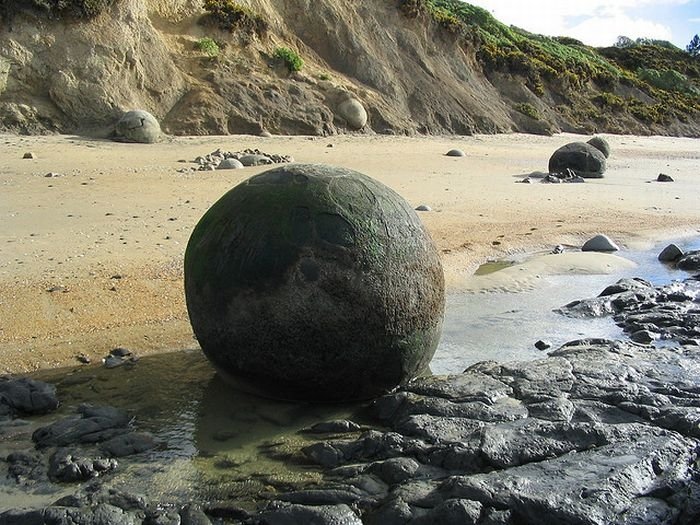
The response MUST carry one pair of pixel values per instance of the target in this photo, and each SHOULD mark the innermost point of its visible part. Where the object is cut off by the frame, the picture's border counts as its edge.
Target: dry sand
(92, 259)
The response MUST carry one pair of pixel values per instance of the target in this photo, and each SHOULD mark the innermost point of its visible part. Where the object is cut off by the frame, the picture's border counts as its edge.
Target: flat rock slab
(598, 432)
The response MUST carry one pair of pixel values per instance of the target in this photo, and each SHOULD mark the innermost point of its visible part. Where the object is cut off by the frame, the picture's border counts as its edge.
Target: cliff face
(409, 74)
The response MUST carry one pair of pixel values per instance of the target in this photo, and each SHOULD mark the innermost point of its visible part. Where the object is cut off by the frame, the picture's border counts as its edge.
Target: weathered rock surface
(583, 159)
(690, 261)
(671, 253)
(314, 282)
(601, 145)
(668, 312)
(129, 444)
(64, 466)
(353, 112)
(598, 432)
(93, 425)
(26, 397)
(137, 126)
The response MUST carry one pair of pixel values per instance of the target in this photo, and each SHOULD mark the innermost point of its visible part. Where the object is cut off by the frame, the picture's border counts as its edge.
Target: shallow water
(504, 326)
(223, 445)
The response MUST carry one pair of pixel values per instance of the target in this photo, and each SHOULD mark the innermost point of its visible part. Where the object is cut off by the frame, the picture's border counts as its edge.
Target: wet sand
(92, 259)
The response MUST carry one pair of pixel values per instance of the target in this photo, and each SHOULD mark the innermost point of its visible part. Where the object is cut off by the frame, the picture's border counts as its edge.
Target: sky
(600, 22)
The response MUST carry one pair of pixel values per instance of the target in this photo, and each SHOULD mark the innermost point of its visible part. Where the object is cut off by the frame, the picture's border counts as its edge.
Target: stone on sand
(295, 291)
(600, 243)
(601, 145)
(583, 159)
(137, 126)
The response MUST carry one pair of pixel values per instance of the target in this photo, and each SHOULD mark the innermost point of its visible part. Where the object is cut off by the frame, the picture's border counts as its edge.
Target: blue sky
(600, 22)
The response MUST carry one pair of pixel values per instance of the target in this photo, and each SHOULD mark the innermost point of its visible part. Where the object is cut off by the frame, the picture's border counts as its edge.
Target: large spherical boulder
(353, 112)
(314, 282)
(137, 126)
(583, 159)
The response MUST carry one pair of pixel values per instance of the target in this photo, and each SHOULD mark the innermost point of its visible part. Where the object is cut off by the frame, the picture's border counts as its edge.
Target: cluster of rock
(645, 312)
(591, 434)
(575, 162)
(553, 178)
(226, 160)
(598, 432)
(689, 262)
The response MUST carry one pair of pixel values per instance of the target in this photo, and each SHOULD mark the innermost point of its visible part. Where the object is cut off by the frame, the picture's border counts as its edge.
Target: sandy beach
(92, 259)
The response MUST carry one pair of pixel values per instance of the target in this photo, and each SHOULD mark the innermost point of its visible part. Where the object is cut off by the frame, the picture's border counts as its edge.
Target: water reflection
(218, 443)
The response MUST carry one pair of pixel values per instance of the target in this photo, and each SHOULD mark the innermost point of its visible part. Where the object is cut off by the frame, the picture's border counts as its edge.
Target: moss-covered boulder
(314, 282)
(582, 158)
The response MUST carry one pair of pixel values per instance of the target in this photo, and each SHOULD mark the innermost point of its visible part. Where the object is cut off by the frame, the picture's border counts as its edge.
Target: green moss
(290, 58)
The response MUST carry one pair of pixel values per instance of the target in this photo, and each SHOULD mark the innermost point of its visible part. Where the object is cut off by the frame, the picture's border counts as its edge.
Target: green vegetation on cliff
(567, 67)
(231, 16)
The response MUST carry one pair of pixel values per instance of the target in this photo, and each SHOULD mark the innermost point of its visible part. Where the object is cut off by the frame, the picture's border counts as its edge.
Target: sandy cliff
(410, 74)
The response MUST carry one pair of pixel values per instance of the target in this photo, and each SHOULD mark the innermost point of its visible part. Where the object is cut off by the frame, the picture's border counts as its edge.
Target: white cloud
(595, 22)
(598, 31)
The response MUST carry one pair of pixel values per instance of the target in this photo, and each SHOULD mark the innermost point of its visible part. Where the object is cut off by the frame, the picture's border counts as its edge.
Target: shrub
(231, 16)
(668, 79)
(528, 110)
(324, 76)
(610, 101)
(290, 58)
(208, 46)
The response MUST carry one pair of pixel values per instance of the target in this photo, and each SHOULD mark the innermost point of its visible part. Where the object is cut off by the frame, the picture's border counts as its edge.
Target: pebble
(664, 178)
(423, 207)
(455, 153)
(543, 345)
(29, 155)
(53, 175)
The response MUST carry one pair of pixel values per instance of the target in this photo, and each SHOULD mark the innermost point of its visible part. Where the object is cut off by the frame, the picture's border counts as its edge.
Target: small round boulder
(455, 153)
(601, 145)
(137, 126)
(313, 282)
(583, 159)
(230, 164)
